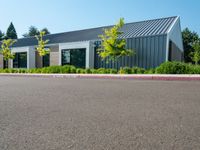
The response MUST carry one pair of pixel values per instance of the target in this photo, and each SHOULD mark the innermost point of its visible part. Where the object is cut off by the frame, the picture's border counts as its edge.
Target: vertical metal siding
(150, 53)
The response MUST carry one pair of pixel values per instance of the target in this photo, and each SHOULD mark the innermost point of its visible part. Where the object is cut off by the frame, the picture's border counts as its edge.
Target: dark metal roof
(135, 29)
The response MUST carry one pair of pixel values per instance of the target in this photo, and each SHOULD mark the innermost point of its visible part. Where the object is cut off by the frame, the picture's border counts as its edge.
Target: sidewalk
(111, 76)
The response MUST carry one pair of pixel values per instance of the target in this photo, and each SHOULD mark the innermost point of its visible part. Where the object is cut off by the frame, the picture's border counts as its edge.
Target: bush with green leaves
(173, 68)
(134, 70)
(80, 71)
(165, 68)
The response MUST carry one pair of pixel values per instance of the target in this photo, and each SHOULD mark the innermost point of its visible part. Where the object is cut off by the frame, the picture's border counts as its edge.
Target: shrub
(165, 68)
(80, 70)
(113, 71)
(173, 68)
(193, 69)
(88, 71)
(93, 71)
(137, 70)
(125, 70)
(149, 71)
(102, 71)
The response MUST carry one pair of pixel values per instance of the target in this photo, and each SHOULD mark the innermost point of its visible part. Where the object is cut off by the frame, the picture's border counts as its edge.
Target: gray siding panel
(150, 53)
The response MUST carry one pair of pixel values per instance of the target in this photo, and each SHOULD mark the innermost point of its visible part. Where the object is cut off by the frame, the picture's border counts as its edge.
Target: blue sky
(67, 15)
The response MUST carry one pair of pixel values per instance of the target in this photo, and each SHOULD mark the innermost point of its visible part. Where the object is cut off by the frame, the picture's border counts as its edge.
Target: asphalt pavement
(98, 114)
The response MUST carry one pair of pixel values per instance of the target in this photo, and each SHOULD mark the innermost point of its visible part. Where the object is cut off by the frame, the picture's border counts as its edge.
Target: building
(154, 41)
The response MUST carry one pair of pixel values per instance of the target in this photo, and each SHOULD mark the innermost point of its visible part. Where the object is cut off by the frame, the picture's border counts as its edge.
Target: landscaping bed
(165, 68)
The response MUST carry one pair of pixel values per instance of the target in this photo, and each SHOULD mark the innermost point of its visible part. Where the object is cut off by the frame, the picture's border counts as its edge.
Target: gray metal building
(154, 41)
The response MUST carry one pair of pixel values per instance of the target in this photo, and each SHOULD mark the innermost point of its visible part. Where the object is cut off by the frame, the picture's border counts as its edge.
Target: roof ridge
(100, 27)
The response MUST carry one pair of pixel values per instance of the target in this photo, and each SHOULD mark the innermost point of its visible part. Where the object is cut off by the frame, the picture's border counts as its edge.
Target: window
(75, 57)
(5, 64)
(20, 60)
(170, 51)
(46, 60)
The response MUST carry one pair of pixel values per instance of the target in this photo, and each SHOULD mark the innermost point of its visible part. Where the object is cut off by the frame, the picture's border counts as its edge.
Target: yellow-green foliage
(41, 48)
(6, 50)
(112, 47)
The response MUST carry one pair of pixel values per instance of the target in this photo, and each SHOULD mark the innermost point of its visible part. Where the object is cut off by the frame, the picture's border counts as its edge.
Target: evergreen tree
(11, 32)
(33, 31)
(46, 31)
(195, 56)
(2, 36)
(189, 38)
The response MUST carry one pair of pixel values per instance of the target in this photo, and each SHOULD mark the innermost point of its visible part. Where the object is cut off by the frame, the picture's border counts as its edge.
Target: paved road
(83, 114)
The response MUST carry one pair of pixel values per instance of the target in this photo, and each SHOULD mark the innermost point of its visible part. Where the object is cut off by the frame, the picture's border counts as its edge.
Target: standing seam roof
(130, 30)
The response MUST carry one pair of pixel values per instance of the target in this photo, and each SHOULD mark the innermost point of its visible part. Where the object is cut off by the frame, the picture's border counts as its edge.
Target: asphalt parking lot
(89, 114)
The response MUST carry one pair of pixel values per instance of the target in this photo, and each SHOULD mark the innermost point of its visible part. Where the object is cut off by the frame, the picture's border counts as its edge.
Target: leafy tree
(33, 31)
(6, 50)
(11, 32)
(112, 47)
(46, 31)
(2, 36)
(195, 56)
(189, 38)
(41, 48)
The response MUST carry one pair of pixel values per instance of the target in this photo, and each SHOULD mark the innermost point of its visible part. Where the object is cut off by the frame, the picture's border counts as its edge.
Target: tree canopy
(6, 50)
(112, 47)
(189, 37)
(41, 47)
(195, 56)
(33, 31)
(11, 32)
(46, 31)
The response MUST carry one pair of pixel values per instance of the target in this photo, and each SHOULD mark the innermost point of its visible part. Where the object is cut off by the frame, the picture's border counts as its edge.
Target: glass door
(20, 60)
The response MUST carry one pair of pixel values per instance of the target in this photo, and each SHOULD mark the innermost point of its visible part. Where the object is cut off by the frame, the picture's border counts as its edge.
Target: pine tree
(1, 35)
(11, 32)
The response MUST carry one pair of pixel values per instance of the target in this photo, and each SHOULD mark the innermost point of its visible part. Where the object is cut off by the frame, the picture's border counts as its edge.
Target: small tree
(41, 48)
(6, 50)
(112, 47)
(195, 56)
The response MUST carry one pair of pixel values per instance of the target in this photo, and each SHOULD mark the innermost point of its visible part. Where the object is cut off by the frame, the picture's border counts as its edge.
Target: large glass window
(20, 60)
(75, 57)
(46, 60)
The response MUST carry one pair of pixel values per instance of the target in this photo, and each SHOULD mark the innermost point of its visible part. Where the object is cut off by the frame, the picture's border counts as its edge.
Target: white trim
(75, 45)
(172, 25)
(30, 55)
(173, 36)
(167, 48)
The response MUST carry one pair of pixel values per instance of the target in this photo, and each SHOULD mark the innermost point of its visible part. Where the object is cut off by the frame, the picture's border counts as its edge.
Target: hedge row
(165, 68)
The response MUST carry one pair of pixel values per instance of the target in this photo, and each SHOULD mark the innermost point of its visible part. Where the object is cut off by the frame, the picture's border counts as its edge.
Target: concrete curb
(169, 77)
